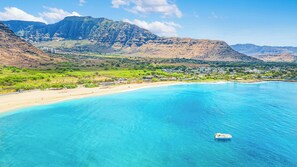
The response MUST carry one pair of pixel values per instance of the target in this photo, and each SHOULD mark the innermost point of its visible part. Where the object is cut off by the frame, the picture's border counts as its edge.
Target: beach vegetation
(93, 71)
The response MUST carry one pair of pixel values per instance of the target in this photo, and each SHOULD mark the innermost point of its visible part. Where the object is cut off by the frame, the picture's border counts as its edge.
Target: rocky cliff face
(16, 52)
(107, 36)
(105, 32)
(209, 50)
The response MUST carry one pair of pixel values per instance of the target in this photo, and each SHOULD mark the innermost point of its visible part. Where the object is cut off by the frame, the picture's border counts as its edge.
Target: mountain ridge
(103, 35)
(252, 49)
(268, 53)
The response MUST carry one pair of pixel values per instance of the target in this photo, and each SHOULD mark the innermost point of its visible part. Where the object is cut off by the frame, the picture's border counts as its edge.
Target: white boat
(223, 136)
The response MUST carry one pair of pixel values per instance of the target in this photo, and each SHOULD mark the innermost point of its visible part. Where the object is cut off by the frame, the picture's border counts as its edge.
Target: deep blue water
(164, 126)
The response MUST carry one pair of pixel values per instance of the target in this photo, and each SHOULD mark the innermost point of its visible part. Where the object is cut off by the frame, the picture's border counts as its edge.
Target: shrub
(24, 87)
(84, 81)
(44, 86)
(91, 85)
(64, 86)
(155, 80)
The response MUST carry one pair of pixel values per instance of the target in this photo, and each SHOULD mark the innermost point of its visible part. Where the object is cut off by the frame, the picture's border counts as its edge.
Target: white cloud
(54, 14)
(51, 15)
(119, 3)
(82, 2)
(13, 13)
(165, 7)
(159, 28)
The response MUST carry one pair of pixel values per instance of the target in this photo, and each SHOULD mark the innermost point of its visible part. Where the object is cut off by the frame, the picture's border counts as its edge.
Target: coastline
(14, 101)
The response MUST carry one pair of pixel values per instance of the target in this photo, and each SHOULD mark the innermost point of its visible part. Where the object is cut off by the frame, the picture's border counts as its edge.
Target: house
(122, 81)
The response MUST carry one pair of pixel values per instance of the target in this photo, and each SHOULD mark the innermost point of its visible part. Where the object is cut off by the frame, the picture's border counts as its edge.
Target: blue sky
(262, 22)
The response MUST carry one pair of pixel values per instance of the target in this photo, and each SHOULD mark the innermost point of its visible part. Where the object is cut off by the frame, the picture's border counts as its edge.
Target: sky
(261, 22)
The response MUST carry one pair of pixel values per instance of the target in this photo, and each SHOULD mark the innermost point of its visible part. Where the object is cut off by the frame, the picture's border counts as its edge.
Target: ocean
(164, 126)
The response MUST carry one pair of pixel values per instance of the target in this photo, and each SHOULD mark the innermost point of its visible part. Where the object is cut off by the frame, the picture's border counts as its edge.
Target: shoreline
(14, 101)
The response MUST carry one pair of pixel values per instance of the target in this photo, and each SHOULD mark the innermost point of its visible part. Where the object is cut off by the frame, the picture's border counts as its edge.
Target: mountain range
(14, 51)
(268, 53)
(101, 35)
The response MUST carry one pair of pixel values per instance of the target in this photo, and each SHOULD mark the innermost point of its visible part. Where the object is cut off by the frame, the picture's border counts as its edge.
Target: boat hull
(222, 136)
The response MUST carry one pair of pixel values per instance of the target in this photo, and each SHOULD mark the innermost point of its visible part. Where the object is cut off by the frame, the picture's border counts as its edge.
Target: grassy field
(96, 70)
(14, 79)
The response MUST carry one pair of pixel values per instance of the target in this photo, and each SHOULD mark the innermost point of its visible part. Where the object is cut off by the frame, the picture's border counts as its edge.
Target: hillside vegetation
(99, 70)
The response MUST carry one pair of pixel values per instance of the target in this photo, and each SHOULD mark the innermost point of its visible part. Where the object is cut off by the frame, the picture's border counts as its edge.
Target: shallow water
(164, 126)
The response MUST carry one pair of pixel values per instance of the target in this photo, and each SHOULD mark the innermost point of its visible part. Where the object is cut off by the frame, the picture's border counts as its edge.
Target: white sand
(14, 101)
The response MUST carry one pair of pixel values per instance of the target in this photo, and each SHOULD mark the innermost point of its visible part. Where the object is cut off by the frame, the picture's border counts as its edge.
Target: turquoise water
(164, 126)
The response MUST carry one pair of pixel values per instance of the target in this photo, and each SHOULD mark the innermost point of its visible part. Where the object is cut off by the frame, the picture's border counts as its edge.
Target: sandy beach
(14, 101)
